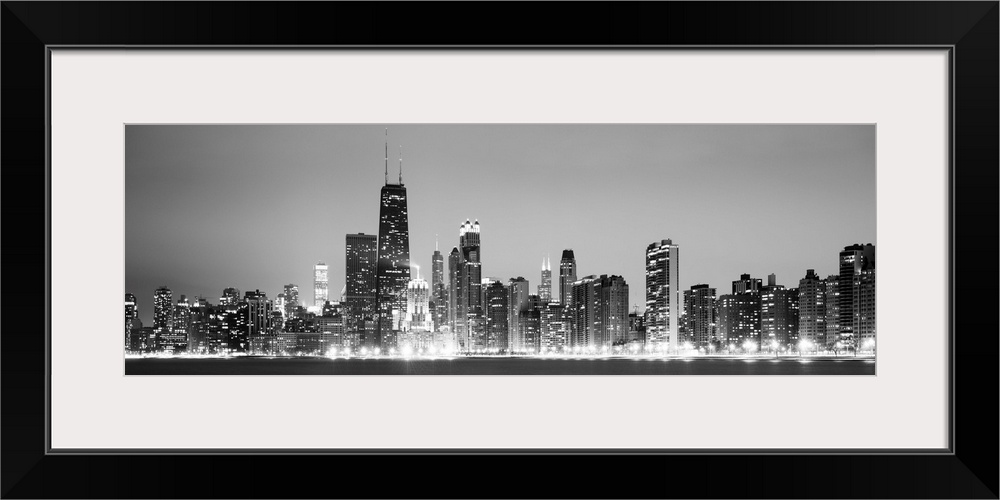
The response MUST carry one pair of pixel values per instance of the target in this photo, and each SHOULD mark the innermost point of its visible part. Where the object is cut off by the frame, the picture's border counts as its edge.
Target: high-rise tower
(567, 275)
(439, 291)
(663, 301)
(812, 309)
(321, 284)
(454, 265)
(393, 273)
(163, 315)
(545, 287)
(699, 302)
(131, 312)
(469, 318)
(360, 300)
(857, 295)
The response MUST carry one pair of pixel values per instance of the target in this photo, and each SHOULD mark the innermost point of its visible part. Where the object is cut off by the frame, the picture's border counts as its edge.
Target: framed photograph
(656, 247)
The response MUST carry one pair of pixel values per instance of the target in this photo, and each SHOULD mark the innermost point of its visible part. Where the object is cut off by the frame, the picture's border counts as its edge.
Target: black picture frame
(969, 29)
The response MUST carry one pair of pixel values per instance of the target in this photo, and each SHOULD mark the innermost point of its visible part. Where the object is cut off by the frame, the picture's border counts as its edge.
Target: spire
(401, 165)
(387, 156)
(435, 242)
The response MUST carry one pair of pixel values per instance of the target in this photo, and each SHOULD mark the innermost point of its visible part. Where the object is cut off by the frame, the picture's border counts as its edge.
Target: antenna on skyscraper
(435, 242)
(400, 165)
(387, 156)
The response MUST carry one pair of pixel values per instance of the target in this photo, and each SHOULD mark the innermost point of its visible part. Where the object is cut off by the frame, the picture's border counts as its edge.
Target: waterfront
(759, 365)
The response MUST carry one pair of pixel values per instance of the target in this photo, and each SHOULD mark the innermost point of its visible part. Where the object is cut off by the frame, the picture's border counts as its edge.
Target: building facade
(131, 313)
(469, 321)
(812, 309)
(778, 315)
(361, 297)
(321, 284)
(701, 316)
(857, 295)
(439, 291)
(545, 286)
(600, 306)
(517, 299)
(163, 318)
(663, 297)
(393, 271)
(497, 316)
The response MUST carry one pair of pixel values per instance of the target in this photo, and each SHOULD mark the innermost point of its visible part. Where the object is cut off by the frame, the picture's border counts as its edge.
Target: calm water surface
(500, 366)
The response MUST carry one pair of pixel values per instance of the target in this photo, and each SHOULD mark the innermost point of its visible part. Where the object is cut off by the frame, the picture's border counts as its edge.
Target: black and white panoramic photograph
(500, 249)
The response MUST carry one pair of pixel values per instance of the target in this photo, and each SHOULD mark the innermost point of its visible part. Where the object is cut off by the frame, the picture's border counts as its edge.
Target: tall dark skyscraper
(497, 316)
(360, 274)
(469, 319)
(163, 315)
(857, 295)
(663, 296)
(567, 276)
(545, 288)
(180, 329)
(259, 325)
(439, 290)
(393, 273)
(454, 265)
(699, 302)
(517, 290)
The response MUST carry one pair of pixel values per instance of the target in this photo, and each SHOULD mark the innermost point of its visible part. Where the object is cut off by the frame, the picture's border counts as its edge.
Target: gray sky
(255, 206)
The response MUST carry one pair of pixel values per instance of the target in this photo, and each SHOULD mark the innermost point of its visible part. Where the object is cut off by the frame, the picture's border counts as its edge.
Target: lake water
(501, 366)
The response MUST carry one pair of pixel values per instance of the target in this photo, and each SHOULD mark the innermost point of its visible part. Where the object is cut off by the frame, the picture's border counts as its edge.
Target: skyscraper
(663, 306)
(393, 273)
(439, 290)
(180, 329)
(131, 312)
(567, 276)
(291, 299)
(812, 309)
(739, 318)
(469, 320)
(545, 287)
(832, 299)
(163, 316)
(739, 313)
(778, 315)
(600, 308)
(259, 325)
(321, 284)
(454, 266)
(530, 326)
(497, 316)
(553, 325)
(701, 315)
(517, 299)
(857, 295)
(361, 304)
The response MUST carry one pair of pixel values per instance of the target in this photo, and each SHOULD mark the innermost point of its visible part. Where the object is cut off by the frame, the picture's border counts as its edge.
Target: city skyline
(733, 238)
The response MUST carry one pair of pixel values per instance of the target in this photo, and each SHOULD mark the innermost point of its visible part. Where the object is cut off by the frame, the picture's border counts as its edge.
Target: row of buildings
(458, 311)
(383, 308)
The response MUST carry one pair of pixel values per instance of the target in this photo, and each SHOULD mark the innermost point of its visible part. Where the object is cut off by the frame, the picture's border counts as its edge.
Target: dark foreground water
(500, 366)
